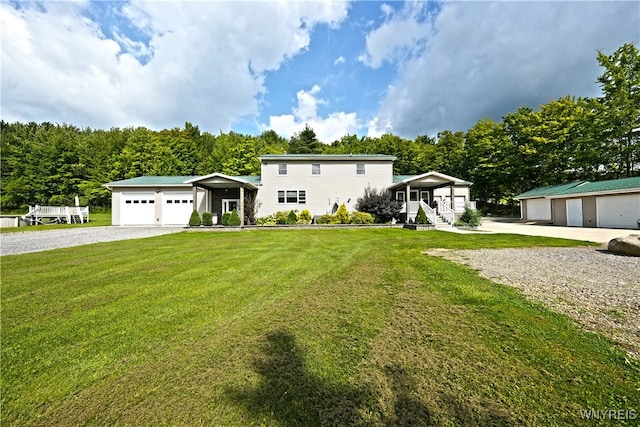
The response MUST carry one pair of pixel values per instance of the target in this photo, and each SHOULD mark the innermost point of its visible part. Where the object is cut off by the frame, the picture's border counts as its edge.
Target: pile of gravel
(600, 290)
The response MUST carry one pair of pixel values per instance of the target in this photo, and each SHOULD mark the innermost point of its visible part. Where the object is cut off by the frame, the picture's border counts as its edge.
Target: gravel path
(42, 240)
(600, 290)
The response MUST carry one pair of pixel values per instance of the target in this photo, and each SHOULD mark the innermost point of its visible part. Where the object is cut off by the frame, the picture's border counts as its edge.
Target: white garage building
(606, 204)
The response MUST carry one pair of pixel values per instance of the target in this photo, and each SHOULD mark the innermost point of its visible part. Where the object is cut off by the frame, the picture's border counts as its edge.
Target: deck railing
(37, 213)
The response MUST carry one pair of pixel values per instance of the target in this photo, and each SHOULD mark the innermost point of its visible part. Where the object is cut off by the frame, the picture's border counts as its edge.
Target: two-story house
(318, 183)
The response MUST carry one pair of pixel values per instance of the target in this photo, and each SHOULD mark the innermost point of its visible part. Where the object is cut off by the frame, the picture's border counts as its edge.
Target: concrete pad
(515, 226)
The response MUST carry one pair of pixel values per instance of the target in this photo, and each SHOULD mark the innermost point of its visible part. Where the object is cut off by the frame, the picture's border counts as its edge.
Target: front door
(229, 205)
(424, 196)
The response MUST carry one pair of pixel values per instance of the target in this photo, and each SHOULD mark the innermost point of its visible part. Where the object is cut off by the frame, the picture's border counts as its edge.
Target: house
(607, 204)
(318, 183)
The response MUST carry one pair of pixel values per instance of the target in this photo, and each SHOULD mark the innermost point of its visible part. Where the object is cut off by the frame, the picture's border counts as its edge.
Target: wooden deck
(57, 214)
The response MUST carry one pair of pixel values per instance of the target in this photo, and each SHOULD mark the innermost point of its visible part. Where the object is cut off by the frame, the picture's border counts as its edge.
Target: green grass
(295, 327)
(96, 220)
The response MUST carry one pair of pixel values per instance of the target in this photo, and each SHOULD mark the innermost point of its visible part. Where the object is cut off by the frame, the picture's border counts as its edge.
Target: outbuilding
(606, 204)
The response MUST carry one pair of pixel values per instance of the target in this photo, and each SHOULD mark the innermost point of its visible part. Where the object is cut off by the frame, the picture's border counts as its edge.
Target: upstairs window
(315, 169)
(282, 169)
(360, 169)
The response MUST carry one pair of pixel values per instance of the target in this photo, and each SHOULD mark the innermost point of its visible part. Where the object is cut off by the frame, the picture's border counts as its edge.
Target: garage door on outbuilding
(618, 211)
(176, 208)
(538, 210)
(137, 208)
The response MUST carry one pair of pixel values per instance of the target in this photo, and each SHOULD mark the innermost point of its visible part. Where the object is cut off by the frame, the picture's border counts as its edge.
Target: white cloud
(489, 58)
(204, 62)
(339, 60)
(329, 129)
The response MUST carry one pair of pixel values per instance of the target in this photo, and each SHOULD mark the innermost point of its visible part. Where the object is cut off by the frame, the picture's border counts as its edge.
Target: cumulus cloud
(489, 58)
(328, 129)
(203, 62)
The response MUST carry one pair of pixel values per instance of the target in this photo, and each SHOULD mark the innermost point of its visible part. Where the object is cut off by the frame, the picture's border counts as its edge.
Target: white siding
(337, 183)
(618, 211)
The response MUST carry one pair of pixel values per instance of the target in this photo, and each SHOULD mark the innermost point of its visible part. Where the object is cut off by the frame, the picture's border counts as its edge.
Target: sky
(344, 68)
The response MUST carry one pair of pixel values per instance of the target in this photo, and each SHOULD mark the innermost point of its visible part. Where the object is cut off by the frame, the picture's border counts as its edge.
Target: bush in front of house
(362, 218)
(194, 220)
(207, 219)
(304, 217)
(325, 219)
(342, 215)
(421, 217)
(470, 217)
(234, 219)
(379, 204)
(292, 217)
(225, 218)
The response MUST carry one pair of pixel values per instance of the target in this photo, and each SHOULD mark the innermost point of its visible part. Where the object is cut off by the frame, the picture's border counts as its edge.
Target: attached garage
(176, 207)
(618, 211)
(137, 208)
(538, 210)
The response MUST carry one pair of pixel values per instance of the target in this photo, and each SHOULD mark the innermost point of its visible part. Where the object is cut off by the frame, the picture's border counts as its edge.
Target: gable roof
(430, 179)
(612, 186)
(334, 157)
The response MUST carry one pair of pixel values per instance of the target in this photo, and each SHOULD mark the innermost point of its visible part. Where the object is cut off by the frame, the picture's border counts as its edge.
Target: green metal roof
(400, 178)
(327, 157)
(254, 179)
(583, 187)
(151, 180)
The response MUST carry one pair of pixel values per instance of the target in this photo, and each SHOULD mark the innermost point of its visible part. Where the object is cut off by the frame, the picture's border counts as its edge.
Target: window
(282, 169)
(400, 195)
(315, 169)
(360, 169)
(292, 196)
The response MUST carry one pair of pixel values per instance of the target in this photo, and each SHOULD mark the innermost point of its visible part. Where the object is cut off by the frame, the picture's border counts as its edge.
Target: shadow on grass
(288, 394)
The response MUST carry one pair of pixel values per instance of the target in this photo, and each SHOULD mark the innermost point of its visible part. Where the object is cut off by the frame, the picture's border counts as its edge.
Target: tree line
(564, 140)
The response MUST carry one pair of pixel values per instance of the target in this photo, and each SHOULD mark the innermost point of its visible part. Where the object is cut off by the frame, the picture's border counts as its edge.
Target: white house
(318, 183)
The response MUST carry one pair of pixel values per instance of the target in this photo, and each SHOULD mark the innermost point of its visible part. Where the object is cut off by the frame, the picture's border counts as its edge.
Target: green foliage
(292, 217)
(327, 219)
(379, 204)
(194, 220)
(470, 217)
(421, 217)
(304, 217)
(305, 142)
(362, 218)
(207, 219)
(225, 218)
(342, 215)
(234, 219)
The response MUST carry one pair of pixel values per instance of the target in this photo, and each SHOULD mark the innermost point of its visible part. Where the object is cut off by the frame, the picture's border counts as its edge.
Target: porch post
(407, 198)
(194, 191)
(453, 200)
(241, 206)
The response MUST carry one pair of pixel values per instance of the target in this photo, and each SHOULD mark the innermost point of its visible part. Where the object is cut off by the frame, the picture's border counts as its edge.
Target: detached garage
(606, 204)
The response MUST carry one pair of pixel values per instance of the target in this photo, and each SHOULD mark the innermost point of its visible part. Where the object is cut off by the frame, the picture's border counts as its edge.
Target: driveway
(509, 225)
(42, 240)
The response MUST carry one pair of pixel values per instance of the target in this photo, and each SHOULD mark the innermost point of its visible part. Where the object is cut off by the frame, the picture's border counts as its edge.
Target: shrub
(421, 217)
(234, 219)
(342, 215)
(326, 219)
(225, 218)
(304, 217)
(266, 220)
(281, 217)
(379, 204)
(194, 220)
(470, 217)
(362, 218)
(207, 219)
(292, 217)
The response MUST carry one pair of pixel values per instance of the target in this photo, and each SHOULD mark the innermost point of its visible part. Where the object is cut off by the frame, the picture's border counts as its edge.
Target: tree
(305, 142)
(620, 105)
(379, 204)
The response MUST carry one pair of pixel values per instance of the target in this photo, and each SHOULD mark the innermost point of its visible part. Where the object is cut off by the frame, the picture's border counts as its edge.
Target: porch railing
(444, 208)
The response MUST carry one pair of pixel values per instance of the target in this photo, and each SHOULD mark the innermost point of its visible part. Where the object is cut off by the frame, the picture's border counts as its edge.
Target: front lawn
(292, 327)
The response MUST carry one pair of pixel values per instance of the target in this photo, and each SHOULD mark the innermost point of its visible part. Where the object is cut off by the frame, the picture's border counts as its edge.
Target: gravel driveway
(600, 290)
(42, 240)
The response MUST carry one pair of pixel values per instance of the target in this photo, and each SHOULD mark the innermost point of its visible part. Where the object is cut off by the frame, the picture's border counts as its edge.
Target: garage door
(137, 209)
(177, 208)
(539, 209)
(618, 211)
(574, 212)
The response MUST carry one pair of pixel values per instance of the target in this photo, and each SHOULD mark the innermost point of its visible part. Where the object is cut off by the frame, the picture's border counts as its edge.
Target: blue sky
(365, 67)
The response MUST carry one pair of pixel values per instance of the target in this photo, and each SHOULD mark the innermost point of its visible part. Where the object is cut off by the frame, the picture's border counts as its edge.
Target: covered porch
(223, 193)
(442, 197)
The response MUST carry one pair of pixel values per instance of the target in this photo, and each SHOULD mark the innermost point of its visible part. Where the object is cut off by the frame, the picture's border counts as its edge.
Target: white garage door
(574, 212)
(618, 211)
(539, 209)
(137, 209)
(176, 208)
